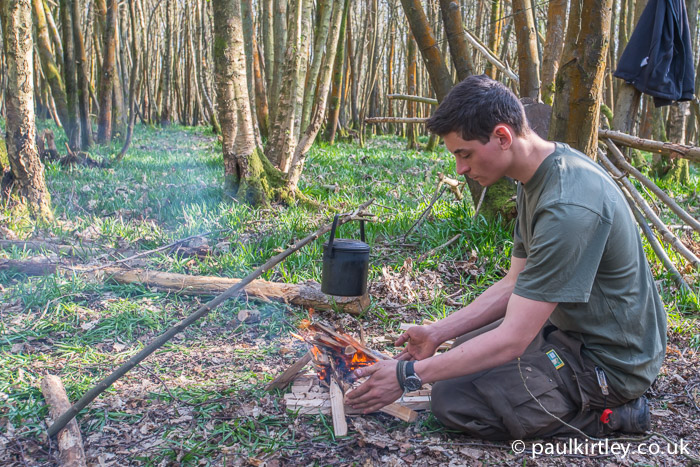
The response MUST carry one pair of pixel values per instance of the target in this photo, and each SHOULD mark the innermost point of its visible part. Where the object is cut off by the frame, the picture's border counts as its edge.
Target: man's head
(474, 107)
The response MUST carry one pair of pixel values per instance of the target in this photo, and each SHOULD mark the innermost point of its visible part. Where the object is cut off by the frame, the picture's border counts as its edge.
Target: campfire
(335, 356)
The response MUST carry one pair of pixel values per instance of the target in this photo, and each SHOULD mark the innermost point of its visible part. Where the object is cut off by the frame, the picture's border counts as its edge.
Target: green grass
(168, 187)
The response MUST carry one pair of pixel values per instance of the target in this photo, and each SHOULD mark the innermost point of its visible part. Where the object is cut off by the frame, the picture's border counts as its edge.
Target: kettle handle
(333, 227)
(362, 230)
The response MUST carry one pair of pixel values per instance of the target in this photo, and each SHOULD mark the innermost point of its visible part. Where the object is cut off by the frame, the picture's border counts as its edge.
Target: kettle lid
(348, 244)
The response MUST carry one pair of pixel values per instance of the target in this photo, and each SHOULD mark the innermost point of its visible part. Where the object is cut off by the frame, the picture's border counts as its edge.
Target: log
(668, 149)
(340, 425)
(40, 246)
(307, 294)
(283, 380)
(70, 443)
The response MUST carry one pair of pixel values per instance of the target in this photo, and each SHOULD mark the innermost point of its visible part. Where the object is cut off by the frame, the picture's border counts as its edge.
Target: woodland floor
(200, 400)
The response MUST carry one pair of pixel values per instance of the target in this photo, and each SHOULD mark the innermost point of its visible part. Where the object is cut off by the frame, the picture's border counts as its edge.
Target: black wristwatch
(412, 381)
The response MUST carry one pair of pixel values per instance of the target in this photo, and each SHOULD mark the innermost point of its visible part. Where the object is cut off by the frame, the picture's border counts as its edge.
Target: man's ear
(504, 134)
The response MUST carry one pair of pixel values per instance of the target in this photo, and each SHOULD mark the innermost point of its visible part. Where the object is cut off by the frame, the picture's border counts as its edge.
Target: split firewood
(400, 412)
(340, 425)
(290, 373)
(70, 443)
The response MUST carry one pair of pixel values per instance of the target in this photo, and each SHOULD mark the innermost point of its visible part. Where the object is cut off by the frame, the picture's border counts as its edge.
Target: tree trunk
(83, 78)
(71, 77)
(411, 69)
(576, 112)
(280, 43)
(676, 169)
(333, 36)
(554, 44)
(167, 68)
(248, 174)
(320, 36)
(495, 35)
(452, 19)
(49, 66)
(440, 78)
(335, 100)
(104, 125)
(528, 56)
(20, 127)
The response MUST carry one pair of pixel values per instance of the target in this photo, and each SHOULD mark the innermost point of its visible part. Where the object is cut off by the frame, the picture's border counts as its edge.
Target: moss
(607, 113)
(499, 201)
(4, 161)
(678, 172)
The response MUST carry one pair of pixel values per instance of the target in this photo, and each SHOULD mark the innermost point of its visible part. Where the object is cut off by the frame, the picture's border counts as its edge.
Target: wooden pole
(668, 149)
(89, 396)
(70, 443)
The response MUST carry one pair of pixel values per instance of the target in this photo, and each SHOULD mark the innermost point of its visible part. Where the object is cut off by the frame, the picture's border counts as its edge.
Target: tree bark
(411, 68)
(495, 35)
(528, 57)
(20, 126)
(83, 78)
(454, 29)
(440, 78)
(48, 64)
(554, 44)
(71, 77)
(335, 100)
(576, 112)
(104, 126)
(320, 36)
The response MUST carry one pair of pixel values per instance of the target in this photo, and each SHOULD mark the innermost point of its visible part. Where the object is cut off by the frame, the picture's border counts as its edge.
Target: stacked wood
(309, 397)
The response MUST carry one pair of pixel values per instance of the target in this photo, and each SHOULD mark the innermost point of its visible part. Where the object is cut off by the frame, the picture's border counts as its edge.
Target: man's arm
(487, 308)
(524, 319)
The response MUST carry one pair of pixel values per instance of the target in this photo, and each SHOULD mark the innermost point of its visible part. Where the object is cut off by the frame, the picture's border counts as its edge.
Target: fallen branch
(648, 212)
(174, 330)
(70, 443)
(668, 149)
(68, 250)
(395, 120)
(421, 99)
(438, 193)
(619, 159)
(432, 251)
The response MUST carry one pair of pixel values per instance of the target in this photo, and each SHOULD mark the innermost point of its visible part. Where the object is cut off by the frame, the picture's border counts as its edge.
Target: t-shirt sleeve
(518, 246)
(566, 247)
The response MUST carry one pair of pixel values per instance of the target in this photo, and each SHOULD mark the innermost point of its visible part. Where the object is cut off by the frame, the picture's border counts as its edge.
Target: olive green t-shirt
(584, 252)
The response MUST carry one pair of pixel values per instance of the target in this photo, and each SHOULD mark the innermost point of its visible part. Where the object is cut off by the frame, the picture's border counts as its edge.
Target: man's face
(484, 163)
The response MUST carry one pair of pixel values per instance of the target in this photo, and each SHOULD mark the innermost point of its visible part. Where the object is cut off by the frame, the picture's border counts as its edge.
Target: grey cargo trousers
(502, 403)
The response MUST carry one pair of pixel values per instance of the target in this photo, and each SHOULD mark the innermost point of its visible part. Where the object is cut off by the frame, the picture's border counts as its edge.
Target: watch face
(412, 383)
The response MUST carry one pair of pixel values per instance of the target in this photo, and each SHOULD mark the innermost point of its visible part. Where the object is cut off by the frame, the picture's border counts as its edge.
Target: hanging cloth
(658, 59)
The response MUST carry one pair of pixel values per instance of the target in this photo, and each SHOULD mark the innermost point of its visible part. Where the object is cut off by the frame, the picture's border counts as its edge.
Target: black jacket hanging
(658, 59)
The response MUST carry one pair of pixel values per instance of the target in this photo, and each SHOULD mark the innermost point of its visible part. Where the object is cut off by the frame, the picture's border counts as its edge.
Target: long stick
(623, 164)
(202, 311)
(655, 245)
(669, 149)
(406, 97)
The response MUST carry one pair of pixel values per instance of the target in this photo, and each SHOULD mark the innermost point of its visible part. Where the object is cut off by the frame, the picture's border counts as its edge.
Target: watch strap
(409, 369)
(401, 373)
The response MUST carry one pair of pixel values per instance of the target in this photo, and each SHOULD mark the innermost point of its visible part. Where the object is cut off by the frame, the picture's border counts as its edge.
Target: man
(574, 329)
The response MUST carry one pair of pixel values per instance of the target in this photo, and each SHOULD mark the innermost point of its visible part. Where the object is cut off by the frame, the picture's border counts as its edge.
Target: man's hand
(382, 388)
(422, 343)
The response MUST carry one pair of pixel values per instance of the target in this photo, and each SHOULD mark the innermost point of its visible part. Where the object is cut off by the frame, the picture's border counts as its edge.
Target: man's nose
(462, 167)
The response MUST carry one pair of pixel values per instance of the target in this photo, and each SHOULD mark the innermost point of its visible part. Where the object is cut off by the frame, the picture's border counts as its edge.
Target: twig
(690, 396)
(201, 312)
(438, 248)
(481, 200)
(419, 221)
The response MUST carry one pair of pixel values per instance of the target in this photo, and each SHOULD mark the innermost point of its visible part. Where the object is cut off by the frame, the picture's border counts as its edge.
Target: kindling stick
(202, 311)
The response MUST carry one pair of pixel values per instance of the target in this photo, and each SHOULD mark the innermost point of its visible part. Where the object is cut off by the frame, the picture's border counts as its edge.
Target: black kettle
(345, 264)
